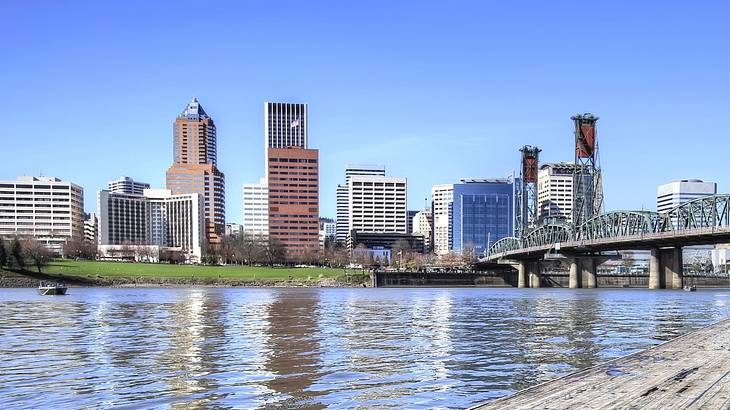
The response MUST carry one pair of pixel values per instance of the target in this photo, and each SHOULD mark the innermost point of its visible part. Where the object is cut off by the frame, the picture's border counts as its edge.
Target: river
(317, 348)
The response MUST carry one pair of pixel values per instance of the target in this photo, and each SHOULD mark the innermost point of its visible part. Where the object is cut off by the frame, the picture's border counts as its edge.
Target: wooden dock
(689, 372)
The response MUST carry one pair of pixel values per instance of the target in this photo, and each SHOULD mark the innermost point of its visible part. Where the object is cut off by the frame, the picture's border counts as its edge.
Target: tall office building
(293, 184)
(195, 170)
(555, 191)
(343, 194)
(442, 201)
(482, 213)
(156, 218)
(45, 208)
(378, 204)
(256, 208)
(128, 186)
(678, 192)
(285, 125)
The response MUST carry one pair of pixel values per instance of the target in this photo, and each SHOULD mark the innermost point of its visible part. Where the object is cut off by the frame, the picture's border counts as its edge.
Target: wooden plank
(689, 372)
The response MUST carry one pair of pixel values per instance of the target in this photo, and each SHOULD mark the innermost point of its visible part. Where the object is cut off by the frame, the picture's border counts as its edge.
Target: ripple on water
(339, 348)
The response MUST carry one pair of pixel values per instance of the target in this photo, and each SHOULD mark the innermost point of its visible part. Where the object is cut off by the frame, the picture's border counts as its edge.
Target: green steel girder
(705, 212)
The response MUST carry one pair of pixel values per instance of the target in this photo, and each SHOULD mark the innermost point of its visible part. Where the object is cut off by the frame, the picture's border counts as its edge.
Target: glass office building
(483, 213)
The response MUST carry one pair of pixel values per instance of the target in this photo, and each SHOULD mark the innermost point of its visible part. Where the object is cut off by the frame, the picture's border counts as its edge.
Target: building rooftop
(194, 110)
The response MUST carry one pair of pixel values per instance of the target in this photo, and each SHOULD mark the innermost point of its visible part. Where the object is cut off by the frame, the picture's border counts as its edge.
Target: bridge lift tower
(528, 212)
(587, 181)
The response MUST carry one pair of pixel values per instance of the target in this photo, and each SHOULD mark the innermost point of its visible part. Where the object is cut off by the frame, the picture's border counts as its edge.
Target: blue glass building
(483, 213)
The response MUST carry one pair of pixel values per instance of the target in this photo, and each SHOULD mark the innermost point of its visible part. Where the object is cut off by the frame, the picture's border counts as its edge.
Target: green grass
(94, 269)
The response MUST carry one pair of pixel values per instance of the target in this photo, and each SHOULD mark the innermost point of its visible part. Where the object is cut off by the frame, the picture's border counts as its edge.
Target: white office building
(256, 208)
(555, 191)
(233, 229)
(45, 208)
(343, 196)
(91, 228)
(127, 185)
(326, 230)
(442, 197)
(156, 218)
(422, 225)
(378, 204)
(285, 125)
(676, 193)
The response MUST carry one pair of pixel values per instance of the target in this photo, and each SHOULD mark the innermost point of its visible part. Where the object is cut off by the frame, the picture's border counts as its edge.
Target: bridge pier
(522, 274)
(575, 279)
(655, 281)
(534, 269)
(589, 271)
(674, 269)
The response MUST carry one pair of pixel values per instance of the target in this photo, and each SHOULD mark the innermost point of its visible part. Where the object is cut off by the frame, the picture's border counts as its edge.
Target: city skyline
(452, 97)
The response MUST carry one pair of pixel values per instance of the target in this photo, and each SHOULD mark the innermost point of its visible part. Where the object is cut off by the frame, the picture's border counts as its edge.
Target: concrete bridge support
(666, 269)
(589, 272)
(575, 279)
(522, 274)
(655, 281)
(674, 269)
(534, 269)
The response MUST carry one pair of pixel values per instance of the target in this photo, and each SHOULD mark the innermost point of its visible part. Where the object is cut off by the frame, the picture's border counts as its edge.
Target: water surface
(317, 348)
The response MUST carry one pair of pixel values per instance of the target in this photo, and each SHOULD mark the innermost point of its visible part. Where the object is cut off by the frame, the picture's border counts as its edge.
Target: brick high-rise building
(294, 197)
(195, 170)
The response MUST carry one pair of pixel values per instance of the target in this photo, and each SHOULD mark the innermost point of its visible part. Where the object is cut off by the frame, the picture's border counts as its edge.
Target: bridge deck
(691, 371)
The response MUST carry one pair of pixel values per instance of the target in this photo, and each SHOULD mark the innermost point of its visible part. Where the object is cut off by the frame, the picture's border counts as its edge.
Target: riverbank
(118, 274)
(690, 371)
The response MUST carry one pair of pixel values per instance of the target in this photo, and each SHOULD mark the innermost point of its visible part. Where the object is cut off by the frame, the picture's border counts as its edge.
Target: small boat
(46, 289)
(690, 288)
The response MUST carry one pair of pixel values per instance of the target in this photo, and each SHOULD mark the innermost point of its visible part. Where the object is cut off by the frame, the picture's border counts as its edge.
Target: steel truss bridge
(701, 221)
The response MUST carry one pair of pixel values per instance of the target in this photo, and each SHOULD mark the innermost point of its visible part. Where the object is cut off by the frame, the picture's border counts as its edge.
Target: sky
(435, 91)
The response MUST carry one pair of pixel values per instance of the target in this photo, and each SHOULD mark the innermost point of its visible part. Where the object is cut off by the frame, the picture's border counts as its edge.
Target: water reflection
(316, 348)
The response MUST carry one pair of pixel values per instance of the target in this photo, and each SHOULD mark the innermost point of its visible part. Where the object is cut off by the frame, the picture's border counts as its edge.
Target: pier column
(522, 274)
(676, 268)
(589, 272)
(655, 281)
(534, 270)
(574, 281)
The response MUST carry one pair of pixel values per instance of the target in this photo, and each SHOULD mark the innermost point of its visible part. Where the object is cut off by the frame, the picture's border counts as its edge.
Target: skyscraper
(378, 204)
(343, 195)
(442, 197)
(195, 170)
(256, 208)
(676, 193)
(294, 197)
(285, 125)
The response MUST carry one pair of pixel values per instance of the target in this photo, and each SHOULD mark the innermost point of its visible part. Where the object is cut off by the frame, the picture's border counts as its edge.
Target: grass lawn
(154, 270)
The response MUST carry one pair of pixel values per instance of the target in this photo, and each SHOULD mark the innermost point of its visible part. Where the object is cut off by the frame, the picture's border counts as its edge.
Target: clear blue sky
(435, 91)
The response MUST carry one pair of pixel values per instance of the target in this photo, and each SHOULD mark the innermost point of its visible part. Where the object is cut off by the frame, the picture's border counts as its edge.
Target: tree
(274, 252)
(3, 254)
(468, 256)
(250, 246)
(16, 254)
(228, 249)
(36, 252)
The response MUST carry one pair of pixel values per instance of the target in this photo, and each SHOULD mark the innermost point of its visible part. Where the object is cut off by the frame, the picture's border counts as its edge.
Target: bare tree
(274, 252)
(37, 253)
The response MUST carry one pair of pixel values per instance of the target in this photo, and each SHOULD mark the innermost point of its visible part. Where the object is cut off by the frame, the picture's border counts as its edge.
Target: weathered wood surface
(689, 372)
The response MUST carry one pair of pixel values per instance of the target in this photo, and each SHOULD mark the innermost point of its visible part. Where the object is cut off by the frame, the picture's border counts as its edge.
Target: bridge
(703, 221)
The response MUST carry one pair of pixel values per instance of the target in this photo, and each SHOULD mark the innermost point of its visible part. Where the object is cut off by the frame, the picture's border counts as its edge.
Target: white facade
(45, 208)
(343, 196)
(127, 185)
(676, 193)
(91, 228)
(378, 204)
(233, 229)
(422, 225)
(156, 218)
(327, 230)
(442, 197)
(256, 208)
(555, 191)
